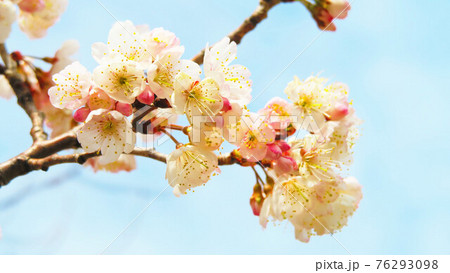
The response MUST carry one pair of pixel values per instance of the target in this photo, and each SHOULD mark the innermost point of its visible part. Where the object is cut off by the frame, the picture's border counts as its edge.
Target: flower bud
(338, 8)
(284, 164)
(98, 99)
(273, 152)
(256, 200)
(146, 97)
(124, 108)
(339, 111)
(226, 105)
(81, 114)
(31, 5)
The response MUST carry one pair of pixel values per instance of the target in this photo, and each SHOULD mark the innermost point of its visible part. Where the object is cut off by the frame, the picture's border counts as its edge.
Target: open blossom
(314, 158)
(125, 163)
(254, 136)
(188, 167)
(161, 40)
(63, 56)
(196, 98)
(126, 42)
(279, 112)
(206, 135)
(35, 24)
(162, 72)
(310, 211)
(7, 18)
(98, 99)
(121, 81)
(72, 87)
(234, 80)
(108, 131)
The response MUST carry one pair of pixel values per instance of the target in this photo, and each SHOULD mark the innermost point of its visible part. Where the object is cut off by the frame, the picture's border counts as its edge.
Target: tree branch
(248, 25)
(23, 94)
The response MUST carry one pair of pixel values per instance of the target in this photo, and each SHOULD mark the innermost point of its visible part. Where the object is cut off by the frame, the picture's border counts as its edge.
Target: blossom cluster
(34, 16)
(302, 143)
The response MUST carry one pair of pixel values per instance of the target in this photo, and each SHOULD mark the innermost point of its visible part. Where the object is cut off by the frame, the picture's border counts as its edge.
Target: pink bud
(323, 19)
(283, 146)
(273, 152)
(226, 105)
(31, 5)
(124, 108)
(284, 164)
(256, 205)
(339, 111)
(146, 97)
(338, 8)
(98, 99)
(81, 114)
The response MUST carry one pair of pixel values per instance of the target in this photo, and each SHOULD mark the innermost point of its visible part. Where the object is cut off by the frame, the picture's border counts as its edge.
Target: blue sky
(392, 54)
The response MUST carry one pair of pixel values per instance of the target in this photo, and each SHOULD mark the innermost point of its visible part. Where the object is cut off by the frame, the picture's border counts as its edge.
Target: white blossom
(126, 42)
(122, 81)
(162, 72)
(188, 167)
(234, 80)
(7, 18)
(107, 131)
(72, 87)
(63, 55)
(196, 98)
(35, 24)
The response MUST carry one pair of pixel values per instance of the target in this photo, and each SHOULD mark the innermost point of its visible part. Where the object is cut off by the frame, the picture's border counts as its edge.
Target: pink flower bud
(98, 99)
(283, 146)
(339, 111)
(256, 202)
(284, 164)
(31, 5)
(124, 108)
(273, 152)
(81, 114)
(323, 19)
(338, 8)
(226, 105)
(146, 97)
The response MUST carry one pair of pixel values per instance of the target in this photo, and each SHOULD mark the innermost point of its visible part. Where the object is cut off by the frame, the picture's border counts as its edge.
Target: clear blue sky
(392, 54)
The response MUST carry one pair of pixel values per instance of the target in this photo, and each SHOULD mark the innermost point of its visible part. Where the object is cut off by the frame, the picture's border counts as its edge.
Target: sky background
(393, 55)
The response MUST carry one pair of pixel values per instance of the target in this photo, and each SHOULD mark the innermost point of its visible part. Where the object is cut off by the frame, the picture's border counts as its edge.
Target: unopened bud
(81, 114)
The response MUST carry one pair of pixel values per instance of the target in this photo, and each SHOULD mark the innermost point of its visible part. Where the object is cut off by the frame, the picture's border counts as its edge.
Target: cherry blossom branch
(24, 98)
(248, 25)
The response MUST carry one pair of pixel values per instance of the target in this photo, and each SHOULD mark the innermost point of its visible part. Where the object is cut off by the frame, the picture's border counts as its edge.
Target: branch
(24, 98)
(248, 25)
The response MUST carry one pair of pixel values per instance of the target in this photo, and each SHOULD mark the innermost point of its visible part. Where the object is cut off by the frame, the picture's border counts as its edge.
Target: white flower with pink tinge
(126, 42)
(107, 131)
(162, 72)
(161, 40)
(234, 80)
(312, 208)
(7, 18)
(279, 112)
(36, 23)
(72, 87)
(254, 134)
(121, 81)
(63, 55)
(188, 167)
(196, 98)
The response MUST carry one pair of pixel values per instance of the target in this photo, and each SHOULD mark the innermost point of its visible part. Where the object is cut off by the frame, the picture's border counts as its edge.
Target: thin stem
(258, 178)
(171, 136)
